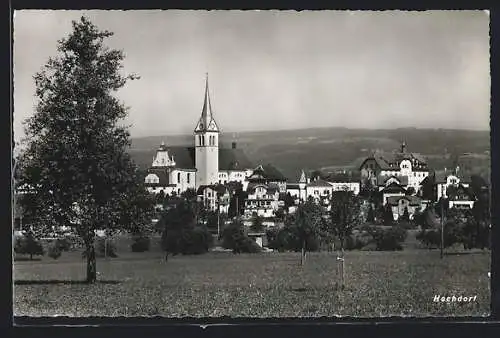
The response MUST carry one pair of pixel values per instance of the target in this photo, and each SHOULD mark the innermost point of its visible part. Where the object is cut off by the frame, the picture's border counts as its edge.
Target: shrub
(389, 239)
(196, 240)
(190, 241)
(429, 238)
(358, 240)
(28, 245)
(285, 239)
(54, 251)
(406, 224)
(235, 238)
(63, 244)
(140, 243)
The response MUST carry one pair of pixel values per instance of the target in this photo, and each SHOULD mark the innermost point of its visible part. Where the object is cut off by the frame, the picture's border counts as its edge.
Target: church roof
(162, 174)
(233, 159)
(206, 121)
(229, 159)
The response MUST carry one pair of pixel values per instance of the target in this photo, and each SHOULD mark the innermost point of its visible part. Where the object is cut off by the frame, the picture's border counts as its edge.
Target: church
(206, 164)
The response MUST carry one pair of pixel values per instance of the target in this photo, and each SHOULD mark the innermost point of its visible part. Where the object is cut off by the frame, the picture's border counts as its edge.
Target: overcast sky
(281, 69)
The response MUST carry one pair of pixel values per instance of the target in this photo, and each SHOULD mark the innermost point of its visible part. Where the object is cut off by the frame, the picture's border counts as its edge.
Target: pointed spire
(303, 178)
(207, 121)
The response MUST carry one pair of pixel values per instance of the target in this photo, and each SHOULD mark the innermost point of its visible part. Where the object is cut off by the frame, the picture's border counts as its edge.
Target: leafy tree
(289, 201)
(344, 215)
(54, 251)
(237, 202)
(305, 224)
(28, 245)
(388, 215)
(370, 217)
(280, 214)
(181, 234)
(389, 239)
(77, 160)
(235, 238)
(406, 215)
(257, 223)
(140, 243)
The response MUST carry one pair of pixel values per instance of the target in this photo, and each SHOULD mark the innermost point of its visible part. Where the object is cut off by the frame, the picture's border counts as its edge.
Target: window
(178, 177)
(188, 178)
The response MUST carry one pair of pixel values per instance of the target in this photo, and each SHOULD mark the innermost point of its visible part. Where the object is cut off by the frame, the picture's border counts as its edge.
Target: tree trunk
(303, 253)
(340, 261)
(91, 264)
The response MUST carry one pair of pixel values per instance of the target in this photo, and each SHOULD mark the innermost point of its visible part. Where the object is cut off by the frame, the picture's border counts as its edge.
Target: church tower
(206, 141)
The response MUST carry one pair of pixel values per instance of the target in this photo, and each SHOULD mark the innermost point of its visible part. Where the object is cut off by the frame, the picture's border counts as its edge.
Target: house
(342, 181)
(298, 190)
(262, 200)
(443, 180)
(268, 174)
(400, 203)
(460, 196)
(401, 163)
(176, 169)
(389, 186)
(320, 190)
(215, 197)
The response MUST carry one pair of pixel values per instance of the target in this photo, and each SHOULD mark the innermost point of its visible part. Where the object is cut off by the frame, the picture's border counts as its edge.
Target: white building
(402, 163)
(262, 199)
(319, 190)
(176, 169)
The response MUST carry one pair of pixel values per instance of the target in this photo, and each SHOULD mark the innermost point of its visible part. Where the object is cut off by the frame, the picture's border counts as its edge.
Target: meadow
(255, 285)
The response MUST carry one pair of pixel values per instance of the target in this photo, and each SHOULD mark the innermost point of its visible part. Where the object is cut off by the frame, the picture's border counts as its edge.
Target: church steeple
(206, 121)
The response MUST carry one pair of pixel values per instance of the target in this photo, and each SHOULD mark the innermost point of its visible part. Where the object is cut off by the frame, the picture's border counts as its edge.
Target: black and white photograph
(251, 164)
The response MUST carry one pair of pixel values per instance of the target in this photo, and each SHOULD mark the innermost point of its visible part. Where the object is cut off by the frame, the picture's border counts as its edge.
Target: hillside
(338, 148)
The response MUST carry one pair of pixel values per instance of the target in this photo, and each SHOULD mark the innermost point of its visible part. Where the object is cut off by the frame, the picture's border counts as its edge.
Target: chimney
(233, 145)
(403, 147)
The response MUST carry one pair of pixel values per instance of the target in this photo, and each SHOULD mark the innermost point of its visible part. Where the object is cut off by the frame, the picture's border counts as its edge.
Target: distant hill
(336, 148)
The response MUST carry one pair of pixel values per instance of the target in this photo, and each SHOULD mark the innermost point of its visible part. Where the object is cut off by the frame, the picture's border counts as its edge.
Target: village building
(216, 197)
(402, 163)
(176, 169)
(298, 190)
(344, 182)
(453, 186)
(262, 200)
(268, 174)
(320, 191)
(399, 204)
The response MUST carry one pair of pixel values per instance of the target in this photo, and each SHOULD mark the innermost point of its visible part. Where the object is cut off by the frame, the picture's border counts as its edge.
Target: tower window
(178, 177)
(188, 177)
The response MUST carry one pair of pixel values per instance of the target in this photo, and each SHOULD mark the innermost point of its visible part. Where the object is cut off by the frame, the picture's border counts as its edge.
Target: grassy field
(260, 285)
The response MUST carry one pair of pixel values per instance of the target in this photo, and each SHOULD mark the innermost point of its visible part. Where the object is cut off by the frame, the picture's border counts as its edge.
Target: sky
(280, 69)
